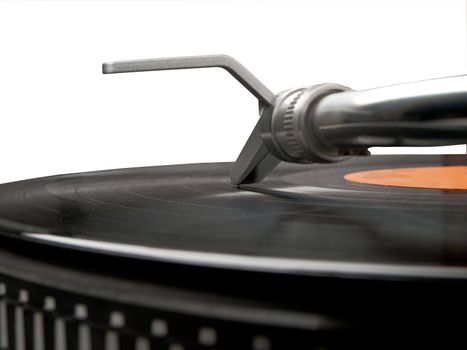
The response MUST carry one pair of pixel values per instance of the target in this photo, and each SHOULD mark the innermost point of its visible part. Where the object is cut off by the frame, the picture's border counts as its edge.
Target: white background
(59, 114)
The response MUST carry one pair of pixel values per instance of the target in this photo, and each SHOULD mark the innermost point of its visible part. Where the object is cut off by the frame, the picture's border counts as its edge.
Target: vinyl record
(301, 212)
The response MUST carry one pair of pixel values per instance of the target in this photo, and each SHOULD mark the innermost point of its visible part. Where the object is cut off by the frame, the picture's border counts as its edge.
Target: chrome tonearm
(328, 122)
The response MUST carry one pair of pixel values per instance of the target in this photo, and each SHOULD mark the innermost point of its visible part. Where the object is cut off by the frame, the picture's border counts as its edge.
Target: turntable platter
(307, 213)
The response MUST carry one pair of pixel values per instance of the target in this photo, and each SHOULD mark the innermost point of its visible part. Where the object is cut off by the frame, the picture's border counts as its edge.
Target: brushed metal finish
(235, 68)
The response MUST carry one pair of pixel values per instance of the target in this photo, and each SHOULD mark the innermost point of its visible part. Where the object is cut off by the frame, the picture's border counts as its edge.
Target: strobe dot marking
(117, 319)
(159, 328)
(49, 304)
(261, 342)
(207, 336)
(23, 296)
(81, 312)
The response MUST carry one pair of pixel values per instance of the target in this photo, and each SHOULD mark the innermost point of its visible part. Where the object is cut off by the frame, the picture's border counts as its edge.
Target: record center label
(439, 177)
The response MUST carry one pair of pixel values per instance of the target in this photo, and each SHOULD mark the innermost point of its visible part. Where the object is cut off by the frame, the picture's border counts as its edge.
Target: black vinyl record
(301, 212)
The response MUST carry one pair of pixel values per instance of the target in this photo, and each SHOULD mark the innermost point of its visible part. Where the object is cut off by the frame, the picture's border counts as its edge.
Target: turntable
(305, 242)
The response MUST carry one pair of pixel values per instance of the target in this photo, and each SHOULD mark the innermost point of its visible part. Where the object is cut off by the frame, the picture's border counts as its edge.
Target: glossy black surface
(299, 211)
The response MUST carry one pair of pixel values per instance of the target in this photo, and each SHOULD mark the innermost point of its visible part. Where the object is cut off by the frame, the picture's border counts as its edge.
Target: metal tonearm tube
(328, 122)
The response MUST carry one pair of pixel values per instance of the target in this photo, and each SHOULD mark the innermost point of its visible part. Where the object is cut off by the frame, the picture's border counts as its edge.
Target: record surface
(311, 215)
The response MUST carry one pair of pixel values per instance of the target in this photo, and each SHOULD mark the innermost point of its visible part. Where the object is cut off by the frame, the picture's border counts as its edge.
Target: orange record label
(442, 177)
